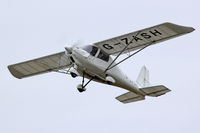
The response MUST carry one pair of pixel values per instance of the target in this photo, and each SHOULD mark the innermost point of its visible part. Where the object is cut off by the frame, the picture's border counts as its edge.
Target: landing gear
(81, 87)
(110, 80)
(74, 75)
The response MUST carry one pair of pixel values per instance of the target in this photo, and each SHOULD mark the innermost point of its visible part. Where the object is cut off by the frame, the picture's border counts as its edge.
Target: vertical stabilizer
(143, 78)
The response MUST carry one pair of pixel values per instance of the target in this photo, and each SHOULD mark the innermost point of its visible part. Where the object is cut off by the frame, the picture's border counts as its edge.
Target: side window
(94, 51)
(102, 55)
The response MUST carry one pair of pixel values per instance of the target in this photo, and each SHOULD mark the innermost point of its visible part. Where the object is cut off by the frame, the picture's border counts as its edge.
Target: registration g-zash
(95, 63)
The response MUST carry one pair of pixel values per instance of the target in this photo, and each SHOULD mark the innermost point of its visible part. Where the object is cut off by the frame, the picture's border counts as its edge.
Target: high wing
(142, 38)
(40, 65)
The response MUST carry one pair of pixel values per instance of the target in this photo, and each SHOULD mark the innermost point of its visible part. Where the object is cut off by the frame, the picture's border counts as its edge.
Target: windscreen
(91, 49)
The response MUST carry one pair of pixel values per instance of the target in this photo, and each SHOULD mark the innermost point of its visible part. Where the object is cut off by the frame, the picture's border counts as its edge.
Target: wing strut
(63, 71)
(109, 67)
(116, 57)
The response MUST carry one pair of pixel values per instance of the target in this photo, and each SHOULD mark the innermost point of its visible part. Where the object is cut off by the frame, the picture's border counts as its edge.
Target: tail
(144, 87)
(143, 78)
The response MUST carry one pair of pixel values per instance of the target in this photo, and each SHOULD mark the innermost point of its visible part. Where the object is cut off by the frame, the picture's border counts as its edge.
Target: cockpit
(96, 52)
(91, 49)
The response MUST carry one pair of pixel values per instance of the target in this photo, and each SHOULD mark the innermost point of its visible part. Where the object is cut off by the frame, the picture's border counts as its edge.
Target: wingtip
(15, 73)
(192, 29)
(180, 28)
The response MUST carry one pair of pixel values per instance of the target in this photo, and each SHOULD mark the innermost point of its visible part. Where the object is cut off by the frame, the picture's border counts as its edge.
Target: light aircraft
(95, 63)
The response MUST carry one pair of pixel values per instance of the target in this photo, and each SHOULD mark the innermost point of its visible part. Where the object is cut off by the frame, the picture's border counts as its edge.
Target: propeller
(78, 43)
(69, 50)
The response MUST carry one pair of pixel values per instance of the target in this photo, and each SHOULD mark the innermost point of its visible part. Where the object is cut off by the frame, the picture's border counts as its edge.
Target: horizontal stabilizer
(155, 91)
(129, 97)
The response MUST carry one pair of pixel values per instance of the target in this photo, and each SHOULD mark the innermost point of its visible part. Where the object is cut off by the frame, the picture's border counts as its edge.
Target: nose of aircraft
(69, 50)
(80, 52)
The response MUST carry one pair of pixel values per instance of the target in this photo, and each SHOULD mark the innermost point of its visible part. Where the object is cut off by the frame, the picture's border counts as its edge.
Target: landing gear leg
(83, 79)
(81, 87)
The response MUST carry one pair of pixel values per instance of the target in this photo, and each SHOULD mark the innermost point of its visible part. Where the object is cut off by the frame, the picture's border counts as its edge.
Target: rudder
(143, 78)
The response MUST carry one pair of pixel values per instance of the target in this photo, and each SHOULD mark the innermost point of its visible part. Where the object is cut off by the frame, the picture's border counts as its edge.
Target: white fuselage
(94, 66)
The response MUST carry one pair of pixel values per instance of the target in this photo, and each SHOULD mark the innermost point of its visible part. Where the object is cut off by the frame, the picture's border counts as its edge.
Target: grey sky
(50, 103)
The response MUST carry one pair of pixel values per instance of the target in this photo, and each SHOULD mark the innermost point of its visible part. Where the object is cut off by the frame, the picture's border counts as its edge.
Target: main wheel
(109, 82)
(80, 88)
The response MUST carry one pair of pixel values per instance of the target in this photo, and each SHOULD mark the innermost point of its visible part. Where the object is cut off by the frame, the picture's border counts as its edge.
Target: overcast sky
(50, 103)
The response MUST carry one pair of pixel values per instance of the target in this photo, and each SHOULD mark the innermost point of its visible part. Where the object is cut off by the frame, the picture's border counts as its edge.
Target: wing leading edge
(142, 38)
(40, 65)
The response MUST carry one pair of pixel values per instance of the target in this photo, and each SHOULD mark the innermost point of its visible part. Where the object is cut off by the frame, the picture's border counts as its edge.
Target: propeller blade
(69, 50)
